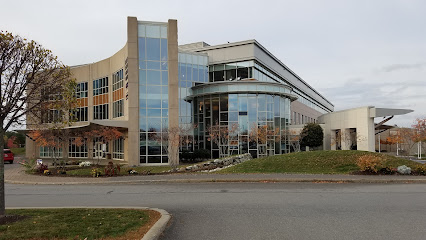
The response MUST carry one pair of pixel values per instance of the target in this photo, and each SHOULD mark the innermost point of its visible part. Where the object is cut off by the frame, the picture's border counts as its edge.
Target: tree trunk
(2, 196)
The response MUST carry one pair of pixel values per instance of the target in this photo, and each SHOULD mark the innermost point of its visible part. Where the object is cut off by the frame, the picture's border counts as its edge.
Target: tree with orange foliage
(403, 138)
(51, 138)
(11, 142)
(57, 138)
(101, 133)
(419, 130)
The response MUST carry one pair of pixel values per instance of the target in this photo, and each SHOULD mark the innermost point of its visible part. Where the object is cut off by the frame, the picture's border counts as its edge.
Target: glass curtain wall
(251, 69)
(153, 91)
(256, 123)
(193, 68)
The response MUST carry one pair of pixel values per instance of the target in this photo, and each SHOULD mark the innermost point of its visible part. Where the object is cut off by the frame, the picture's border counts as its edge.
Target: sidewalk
(16, 175)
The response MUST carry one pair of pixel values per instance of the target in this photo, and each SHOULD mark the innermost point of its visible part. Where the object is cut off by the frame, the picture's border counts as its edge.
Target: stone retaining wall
(217, 163)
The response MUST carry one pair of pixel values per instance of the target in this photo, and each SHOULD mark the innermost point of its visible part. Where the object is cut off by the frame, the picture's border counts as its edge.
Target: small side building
(355, 129)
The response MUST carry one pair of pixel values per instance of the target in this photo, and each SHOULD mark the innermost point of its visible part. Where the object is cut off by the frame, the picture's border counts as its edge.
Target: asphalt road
(255, 210)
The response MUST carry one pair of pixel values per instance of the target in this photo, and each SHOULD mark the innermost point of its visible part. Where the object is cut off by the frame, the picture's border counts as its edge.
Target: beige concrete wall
(358, 118)
(304, 110)
(231, 54)
(88, 73)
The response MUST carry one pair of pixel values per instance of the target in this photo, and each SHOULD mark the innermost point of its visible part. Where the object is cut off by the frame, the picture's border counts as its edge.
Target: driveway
(254, 210)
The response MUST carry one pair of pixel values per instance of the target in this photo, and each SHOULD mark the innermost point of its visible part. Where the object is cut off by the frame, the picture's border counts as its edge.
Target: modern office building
(152, 84)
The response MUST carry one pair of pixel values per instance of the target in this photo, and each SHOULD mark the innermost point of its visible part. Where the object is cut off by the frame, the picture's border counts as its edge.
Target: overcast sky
(355, 53)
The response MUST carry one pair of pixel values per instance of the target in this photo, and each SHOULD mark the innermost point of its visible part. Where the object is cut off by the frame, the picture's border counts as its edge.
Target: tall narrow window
(117, 94)
(118, 149)
(100, 98)
(80, 114)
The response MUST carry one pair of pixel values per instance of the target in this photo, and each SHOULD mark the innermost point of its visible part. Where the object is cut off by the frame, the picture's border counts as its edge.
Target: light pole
(419, 150)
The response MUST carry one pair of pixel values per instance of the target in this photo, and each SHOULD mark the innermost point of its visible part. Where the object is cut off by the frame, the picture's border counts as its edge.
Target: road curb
(153, 233)
(157, 229)
(213, 180)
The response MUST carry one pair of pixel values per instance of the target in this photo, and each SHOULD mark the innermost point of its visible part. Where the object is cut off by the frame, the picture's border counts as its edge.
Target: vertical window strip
(118, 149)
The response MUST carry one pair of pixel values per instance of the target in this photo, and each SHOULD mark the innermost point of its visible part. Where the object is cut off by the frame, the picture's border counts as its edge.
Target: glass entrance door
(98, 151)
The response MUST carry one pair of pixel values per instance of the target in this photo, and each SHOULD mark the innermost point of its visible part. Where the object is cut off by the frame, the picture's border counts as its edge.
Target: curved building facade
(153, 85)
(253, 116)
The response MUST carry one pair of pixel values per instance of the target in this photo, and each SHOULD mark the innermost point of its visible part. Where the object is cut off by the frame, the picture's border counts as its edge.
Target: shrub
(96, 172)
(41, 168)
(46, 172)
(186, 155)
(112, 169)
(85, 164)
(387, 171)
(370, 163)
(404, 170)
(421, 170)
(29, 165)
(196, 156)
(312, 135)
(202, 154)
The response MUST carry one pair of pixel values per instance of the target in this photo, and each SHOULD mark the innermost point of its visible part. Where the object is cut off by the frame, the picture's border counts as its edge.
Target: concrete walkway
(14, 173)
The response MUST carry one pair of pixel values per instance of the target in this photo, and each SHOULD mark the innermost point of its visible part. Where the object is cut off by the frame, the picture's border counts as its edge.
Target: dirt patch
(7, 219)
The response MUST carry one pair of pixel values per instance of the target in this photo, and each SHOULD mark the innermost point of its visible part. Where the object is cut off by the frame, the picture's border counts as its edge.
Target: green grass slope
(315, 162)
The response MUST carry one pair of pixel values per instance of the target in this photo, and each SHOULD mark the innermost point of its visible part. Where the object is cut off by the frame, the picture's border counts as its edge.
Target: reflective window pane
(141, 30)
(153, 78)
(163, 49)
(153, 49)
(163, 30)
(153, 31)
(141, 47)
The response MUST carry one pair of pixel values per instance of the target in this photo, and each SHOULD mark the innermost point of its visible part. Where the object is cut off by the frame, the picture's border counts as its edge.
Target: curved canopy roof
(241, 86)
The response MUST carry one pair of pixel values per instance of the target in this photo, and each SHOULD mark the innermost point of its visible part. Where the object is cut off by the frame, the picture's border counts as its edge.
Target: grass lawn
(79, 224)
(315, 162)
(18, 151)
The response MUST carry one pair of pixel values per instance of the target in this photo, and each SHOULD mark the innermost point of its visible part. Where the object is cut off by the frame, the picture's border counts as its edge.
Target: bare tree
(33, 81)
(171, 139)
(221, 135)
(295, 138)
(261, 135)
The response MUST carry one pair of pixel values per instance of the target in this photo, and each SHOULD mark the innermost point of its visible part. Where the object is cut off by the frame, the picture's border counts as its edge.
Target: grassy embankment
(77, 223)
(18, 151)
(315, 162)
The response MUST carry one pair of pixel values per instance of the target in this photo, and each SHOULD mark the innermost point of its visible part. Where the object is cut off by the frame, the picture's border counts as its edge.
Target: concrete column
(334, 140)
(133, 91)
(30, 148)
(172, 50)
(346, 139)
